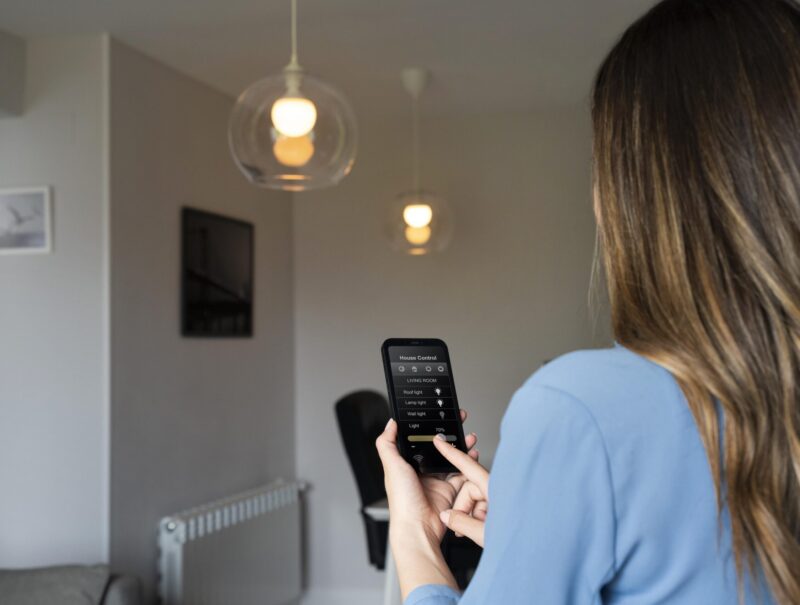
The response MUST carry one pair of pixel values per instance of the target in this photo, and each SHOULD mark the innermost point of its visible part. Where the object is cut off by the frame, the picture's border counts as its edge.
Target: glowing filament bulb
(293, 116)
(418, 215)
(294, 152)
(418, 236)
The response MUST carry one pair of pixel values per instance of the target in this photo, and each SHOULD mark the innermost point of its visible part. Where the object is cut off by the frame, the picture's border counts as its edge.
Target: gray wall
(509, 293)
(53, 405)
(12, 75)
(192, 419)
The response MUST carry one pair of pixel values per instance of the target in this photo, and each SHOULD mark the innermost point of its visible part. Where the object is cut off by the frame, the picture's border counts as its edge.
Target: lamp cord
(293, 61)
(415, 144)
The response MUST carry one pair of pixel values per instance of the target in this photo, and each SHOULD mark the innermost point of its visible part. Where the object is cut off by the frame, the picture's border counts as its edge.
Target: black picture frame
(216, 275)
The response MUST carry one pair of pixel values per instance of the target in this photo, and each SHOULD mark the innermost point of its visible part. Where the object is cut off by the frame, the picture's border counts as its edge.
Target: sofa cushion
(66, 585)
(123, 590)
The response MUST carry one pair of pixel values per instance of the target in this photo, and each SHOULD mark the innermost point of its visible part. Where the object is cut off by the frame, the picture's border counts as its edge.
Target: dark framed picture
(216, 275)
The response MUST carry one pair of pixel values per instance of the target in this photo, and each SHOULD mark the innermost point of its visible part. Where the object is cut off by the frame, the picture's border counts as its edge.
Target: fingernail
(440, 437)
(474, 434)
(389, 422)
(445, 516)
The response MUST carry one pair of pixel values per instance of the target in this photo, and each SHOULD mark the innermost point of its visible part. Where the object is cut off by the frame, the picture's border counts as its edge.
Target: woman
(667, 469)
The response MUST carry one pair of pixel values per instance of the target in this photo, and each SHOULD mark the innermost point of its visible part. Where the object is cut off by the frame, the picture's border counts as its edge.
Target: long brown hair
(696, 115)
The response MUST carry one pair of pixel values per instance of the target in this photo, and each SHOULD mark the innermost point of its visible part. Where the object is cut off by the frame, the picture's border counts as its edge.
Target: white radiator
(241, 550)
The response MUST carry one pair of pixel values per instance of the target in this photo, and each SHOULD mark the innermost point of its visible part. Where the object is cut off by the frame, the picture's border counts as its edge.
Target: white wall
(53, 405)
(192, 419)
(509, 293)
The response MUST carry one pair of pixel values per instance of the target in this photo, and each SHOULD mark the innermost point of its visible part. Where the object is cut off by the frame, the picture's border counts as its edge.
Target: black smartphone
(422, 393)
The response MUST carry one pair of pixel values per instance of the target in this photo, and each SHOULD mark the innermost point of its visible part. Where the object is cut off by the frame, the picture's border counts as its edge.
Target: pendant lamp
(419, 221)
(292, 131)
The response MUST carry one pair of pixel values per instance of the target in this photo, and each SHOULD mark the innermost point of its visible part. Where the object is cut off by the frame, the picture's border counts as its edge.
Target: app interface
(426, 403)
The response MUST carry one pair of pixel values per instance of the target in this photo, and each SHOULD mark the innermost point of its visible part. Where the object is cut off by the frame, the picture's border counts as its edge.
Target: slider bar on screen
(430, 437)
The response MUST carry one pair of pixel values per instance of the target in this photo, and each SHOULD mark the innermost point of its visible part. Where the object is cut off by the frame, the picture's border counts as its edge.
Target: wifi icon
(419, 458)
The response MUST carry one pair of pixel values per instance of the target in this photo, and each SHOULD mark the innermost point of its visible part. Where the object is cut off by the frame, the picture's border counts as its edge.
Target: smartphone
(419, 379)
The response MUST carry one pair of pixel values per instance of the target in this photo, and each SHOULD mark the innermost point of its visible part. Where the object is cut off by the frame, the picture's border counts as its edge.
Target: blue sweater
(601, 492)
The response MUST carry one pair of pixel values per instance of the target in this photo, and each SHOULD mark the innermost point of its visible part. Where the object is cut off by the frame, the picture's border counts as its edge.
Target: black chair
(362, 415)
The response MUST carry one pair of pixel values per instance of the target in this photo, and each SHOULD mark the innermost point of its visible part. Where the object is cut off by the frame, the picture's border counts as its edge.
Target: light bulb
(418, 222)
(418, 215)
(293, 116)
(294, 152)
(418, 236)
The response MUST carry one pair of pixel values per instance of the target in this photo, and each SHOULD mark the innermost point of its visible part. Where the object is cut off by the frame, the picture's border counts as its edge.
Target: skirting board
(340, 596)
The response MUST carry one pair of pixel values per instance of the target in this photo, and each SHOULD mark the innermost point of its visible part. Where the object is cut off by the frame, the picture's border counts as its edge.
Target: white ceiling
(484, 55)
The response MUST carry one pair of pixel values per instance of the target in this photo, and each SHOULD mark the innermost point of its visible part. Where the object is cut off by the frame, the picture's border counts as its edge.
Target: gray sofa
(68, 585)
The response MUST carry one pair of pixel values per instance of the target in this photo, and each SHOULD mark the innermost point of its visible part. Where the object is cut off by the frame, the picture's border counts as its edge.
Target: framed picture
(217, 275)
(25, 221)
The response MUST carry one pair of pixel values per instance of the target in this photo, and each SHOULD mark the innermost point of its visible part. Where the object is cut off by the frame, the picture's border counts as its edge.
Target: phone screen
(420, 382)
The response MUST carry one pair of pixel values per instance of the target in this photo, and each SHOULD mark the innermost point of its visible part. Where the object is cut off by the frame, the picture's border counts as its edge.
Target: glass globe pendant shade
(419, 222)
(293, 132)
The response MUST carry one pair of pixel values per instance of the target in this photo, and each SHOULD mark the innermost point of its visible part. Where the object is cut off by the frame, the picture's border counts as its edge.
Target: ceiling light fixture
(292, 131)
(419, 221)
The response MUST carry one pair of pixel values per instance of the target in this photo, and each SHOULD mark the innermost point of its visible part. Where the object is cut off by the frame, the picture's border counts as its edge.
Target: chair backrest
(362, 416)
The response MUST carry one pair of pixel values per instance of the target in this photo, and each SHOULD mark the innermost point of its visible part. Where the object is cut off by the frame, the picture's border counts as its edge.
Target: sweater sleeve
(551, 523)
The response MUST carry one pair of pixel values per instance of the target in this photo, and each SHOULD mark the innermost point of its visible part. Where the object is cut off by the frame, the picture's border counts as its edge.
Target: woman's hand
(467, 516)
(417, 502)
(415, 505)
